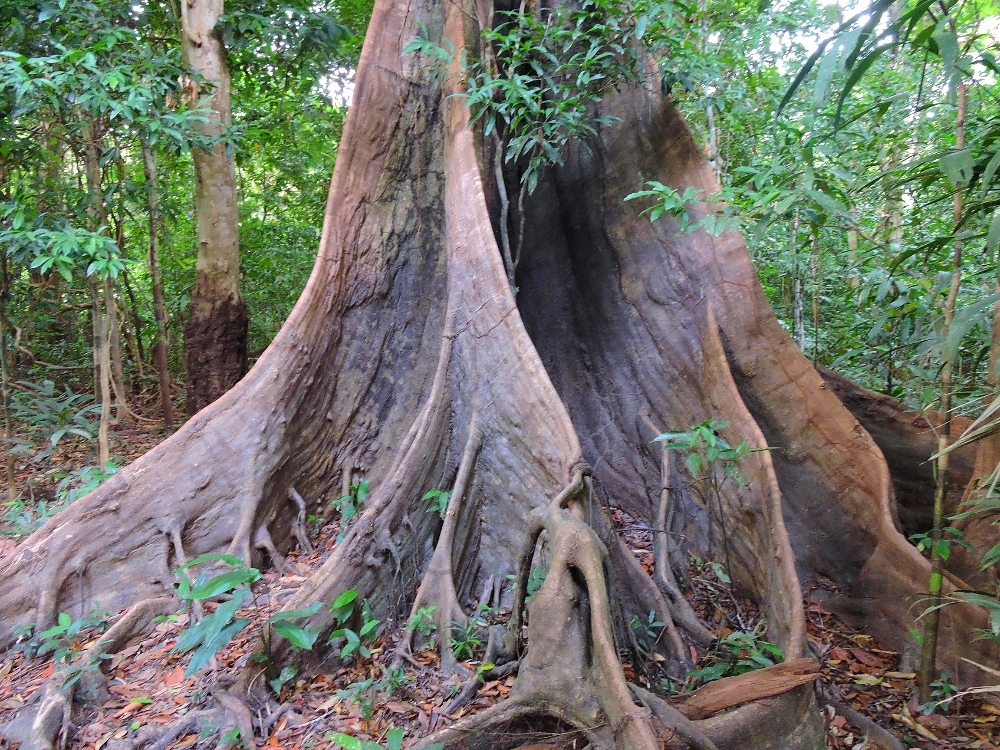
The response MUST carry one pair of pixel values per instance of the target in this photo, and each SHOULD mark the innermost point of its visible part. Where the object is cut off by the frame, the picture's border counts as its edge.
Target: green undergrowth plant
(671, 202)
(23, 516)
(66, 642)
(45, 416)
(738, 653)
(437, 501)
(215, 629)
(466, 638)
(349, 505)
(711, 462)
(393, 741)
(84, 480)
(422, 623)
(646, 631)
(367, 694)
(359, 641)
(943, 692)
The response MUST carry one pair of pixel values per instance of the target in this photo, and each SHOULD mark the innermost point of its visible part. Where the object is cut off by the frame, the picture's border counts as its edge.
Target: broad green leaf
(989, 171)
(295, 614)
(211, 646)
(236, 562)
(947, 43)
(993, 235)
(299, 637)
(344, 740)
(827, 67)
(394, 738)
(224, 583)
(344, 599)
(958, 167)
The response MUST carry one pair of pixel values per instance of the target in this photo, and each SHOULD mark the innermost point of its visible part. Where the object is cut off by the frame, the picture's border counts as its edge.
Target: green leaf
(992, 557)
(353, 642)
(993, 235)
(287, 673)
(394, 739)
(958, 167)
(827, 67)
(947, 43)
(210, 647)
(344, 740)
(224, 583)
(295, 614)
(989, 171)
(232, 560)
(344, 599)
(300, 637)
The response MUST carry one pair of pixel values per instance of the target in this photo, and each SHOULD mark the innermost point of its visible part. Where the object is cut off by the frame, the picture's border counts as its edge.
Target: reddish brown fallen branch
(763, 683)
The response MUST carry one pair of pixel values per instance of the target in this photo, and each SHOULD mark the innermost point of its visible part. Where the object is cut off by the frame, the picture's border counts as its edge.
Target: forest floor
(147, 690)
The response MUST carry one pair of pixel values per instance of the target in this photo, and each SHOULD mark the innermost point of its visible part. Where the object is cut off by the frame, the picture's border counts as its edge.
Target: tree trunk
(932, 621)
(215, 336)
(102, 308)
(8, 427)
(408, 361)
(161, 347)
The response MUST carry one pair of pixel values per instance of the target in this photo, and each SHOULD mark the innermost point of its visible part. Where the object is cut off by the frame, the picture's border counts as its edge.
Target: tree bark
(408, 362)
(215, 336)
(102, 307)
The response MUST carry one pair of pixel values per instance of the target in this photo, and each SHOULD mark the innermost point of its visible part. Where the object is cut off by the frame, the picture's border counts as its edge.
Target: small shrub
(739, 653)
(343, 609)
(465, 638)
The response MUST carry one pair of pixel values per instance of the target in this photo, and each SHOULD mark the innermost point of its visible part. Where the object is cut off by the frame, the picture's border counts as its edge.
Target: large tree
(409, 360)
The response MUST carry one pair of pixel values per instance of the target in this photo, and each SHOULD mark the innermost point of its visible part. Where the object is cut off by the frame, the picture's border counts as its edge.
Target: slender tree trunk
(215, 336)
(713, 141)
(799, 311)
(814, 280)
(8, 427)
(161, 347)
(928, 652)
(133, 312)
(115, 348)
(106, 375)
(101, 313)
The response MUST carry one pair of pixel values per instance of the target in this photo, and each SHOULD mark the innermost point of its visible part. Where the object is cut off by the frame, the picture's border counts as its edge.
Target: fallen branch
(763, 683)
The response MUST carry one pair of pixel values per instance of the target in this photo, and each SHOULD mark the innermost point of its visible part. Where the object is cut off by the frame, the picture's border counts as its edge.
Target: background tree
(215, 336)
(125, 62)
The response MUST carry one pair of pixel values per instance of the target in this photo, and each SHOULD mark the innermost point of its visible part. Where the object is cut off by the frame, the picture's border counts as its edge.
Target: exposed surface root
(44, 725)
(437, 588)
(262, 540)
(299, 529)
(571, 669)
(680, 611)
(670, 717)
